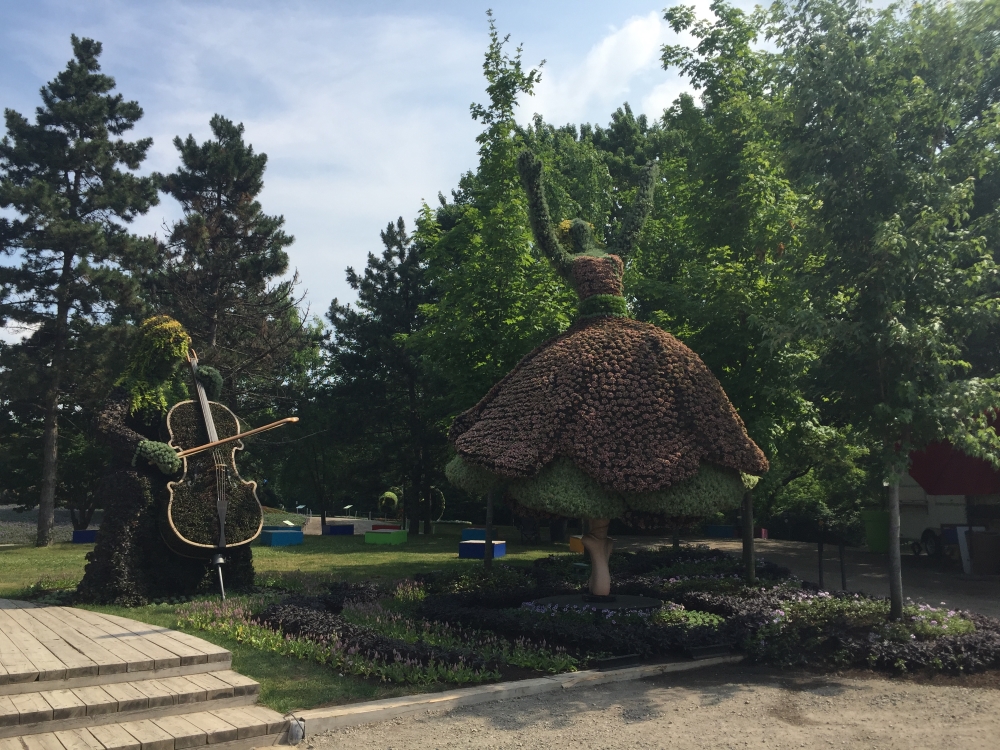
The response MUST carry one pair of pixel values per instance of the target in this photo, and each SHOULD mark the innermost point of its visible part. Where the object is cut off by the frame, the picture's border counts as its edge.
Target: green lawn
(57, 566)
(349, 558)
(286, 683)
(345, 558)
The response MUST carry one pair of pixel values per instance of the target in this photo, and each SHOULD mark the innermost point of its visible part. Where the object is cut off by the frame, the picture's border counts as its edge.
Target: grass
(346, 558)
(286, 684)
(57, 566)
(350, 559)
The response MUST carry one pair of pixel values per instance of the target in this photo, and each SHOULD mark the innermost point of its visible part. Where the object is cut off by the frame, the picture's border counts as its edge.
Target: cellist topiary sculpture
(612, 417)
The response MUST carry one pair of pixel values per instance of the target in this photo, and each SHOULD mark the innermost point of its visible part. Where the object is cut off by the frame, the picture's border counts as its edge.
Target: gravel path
(741, 707)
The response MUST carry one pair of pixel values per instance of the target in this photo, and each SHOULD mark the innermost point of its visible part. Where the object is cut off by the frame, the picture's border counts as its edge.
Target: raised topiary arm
(530, 168)
(627, 236)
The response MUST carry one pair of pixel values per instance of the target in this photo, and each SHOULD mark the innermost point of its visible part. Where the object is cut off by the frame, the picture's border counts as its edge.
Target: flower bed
(470, 625)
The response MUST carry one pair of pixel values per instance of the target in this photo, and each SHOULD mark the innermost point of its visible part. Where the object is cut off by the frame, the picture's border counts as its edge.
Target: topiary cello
(211, 507)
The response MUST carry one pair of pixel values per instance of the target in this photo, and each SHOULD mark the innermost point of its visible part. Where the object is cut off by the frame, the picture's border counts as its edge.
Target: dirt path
(713, 708)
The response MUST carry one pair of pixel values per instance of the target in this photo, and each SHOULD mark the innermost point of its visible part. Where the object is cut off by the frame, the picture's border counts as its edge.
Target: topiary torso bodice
(598, 275)
(624, 401)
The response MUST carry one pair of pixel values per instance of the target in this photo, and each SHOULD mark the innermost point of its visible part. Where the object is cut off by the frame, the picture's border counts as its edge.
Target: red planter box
(385, 527)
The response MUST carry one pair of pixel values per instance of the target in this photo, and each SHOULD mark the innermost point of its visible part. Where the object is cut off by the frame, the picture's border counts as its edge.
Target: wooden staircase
(71, 679)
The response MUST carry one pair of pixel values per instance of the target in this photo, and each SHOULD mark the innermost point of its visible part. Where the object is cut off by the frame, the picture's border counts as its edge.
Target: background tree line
(78, 279)
(824, 235)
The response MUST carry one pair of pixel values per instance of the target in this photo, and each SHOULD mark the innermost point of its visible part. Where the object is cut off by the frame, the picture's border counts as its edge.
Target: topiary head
(161, 346)
(577, 236)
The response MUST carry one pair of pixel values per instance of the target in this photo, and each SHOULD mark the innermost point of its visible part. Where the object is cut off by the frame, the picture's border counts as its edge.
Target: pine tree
(62, 175)
(222, 259)
(391, 389)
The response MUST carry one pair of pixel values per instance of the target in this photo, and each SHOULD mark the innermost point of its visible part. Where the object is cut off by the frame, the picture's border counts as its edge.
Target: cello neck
(206, 410)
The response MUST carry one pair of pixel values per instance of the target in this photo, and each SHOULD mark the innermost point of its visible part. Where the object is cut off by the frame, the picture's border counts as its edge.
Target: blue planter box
(84, 536)
(720, 532)
(475, 549)
(473, 535)
(339, 529)
(276, 537)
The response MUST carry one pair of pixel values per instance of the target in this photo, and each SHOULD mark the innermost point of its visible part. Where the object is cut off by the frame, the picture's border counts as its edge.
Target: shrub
(820, 629)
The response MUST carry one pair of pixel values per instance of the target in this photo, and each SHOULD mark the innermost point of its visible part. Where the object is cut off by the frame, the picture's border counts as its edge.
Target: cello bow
(238, 436)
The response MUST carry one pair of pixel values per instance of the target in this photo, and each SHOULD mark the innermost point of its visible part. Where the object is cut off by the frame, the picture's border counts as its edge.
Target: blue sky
(362, 108)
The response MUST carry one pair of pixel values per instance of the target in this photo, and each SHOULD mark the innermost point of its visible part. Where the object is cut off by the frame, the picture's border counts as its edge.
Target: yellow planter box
(576, 544)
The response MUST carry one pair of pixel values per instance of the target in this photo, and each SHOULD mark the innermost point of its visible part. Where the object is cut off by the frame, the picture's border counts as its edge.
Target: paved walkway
(924, 579)
(743, 707)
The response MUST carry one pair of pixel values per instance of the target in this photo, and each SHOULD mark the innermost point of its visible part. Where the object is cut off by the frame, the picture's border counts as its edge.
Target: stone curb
(318, 720)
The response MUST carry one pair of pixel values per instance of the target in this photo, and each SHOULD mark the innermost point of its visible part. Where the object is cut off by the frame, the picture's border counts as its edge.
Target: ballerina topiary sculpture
(613, 417)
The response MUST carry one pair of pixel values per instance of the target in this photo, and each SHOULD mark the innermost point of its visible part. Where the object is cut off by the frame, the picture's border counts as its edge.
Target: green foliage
(211, 381)
(160, 346)
(219, 271)
(160, 454)
(897, 265)
(563, 489)
(69, 180)
(709, 268)
(92, 366)
(810, 627)
(233, 619)
(603, 304)
(497, 577)
(519, 653)
(712, 489)
(388, 502)
(495, 300)
(389, 397)
(692, 619)
(473, 479)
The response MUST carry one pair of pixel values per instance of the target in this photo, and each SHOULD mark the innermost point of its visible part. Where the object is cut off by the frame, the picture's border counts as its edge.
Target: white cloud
(605, 77)
(360, 119)
(622, 66)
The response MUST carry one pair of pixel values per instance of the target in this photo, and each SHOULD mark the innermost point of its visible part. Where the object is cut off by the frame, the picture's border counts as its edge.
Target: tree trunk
(50, 459)
(411, 497)
(50, 436)
(895, 561)
(81, 516)
(749, 560)
(426, 490)
(213, 316)
(822, 584)
(843, 568)
(676, 539)
(488, 532)
(599, 545)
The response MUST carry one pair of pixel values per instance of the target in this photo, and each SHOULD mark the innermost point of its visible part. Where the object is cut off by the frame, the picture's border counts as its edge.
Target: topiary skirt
(612, 415)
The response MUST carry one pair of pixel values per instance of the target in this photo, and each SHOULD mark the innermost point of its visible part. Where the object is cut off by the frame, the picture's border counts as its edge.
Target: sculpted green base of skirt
(561, 488)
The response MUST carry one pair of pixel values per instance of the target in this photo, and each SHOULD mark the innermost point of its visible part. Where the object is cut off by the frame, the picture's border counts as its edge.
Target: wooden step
(48, 711)
(41, 646)
(239, 728)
